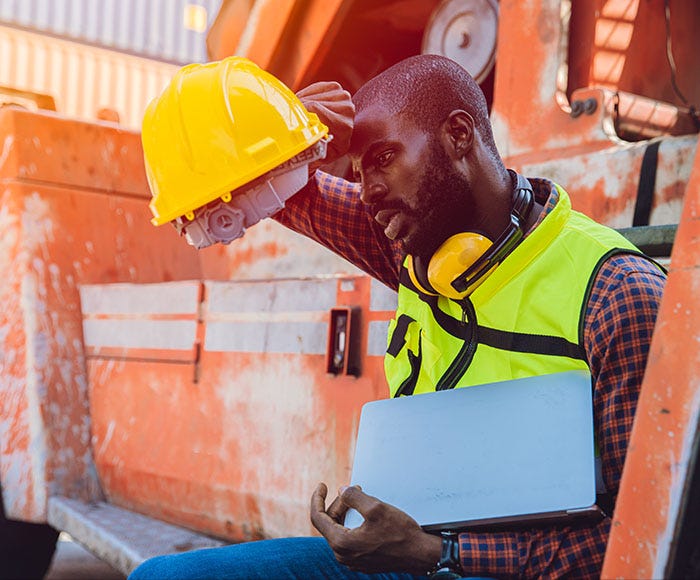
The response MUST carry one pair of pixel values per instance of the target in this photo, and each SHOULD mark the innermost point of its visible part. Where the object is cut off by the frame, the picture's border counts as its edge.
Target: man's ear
(458, 133)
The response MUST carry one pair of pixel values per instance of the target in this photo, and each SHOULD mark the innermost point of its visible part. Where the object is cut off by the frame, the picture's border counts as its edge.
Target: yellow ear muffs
(456, 255)
(424, 288)
(466, 259)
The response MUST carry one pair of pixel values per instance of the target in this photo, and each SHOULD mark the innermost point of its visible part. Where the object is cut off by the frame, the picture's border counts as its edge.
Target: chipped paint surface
(60, 182)
(269, 250)
(680, 471)
(665, 427)
(239, 452)
(535, 121)
(604, 184)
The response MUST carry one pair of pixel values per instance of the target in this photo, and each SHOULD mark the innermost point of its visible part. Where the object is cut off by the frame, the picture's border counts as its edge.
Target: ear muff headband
(464, 260)
(523, 200)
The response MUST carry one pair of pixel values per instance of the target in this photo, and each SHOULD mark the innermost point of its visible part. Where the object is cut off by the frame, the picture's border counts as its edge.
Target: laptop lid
(511, 452)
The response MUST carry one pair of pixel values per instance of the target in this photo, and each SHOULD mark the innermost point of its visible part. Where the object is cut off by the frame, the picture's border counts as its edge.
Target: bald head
(424, 90)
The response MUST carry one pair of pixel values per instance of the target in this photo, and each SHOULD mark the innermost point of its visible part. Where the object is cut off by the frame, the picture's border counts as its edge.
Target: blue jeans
(288, 558)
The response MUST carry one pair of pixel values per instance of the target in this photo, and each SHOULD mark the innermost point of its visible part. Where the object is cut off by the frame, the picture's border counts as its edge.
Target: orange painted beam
(289, 38)
(267, 23)
(321, 22)
(530, 112)
(227, 28)
(649, 504)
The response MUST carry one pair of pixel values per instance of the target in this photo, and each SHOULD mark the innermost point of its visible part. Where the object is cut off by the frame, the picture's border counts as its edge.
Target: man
(569, 294)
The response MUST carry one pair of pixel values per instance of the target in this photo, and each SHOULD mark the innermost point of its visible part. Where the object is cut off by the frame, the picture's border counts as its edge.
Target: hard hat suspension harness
(226, 218)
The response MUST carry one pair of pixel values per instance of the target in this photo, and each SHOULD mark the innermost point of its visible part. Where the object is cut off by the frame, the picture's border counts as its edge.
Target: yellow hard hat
(216, 127)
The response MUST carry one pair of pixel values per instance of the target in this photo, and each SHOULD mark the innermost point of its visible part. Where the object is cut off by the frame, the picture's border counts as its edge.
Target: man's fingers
(330, 96)
(319, 518)
(354, 497)
(330, 90)
(335, 533)
(331, 110)
(337, 510)
(334, 108)
(318, 498)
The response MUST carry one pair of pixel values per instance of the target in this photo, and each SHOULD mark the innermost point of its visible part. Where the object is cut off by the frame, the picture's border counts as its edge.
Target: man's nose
(372, 191)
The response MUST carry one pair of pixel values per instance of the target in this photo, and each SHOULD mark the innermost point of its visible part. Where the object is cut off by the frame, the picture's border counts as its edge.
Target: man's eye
(384, 158)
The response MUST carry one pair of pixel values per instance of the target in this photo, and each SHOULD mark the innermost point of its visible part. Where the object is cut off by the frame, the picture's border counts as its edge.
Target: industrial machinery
(156, 398)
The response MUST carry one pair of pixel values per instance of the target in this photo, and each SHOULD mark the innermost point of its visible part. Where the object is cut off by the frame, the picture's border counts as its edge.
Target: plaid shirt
(618, 324)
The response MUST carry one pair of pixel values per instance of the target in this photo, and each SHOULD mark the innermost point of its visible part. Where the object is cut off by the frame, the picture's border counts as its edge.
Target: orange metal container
(86, 82)
(74, 210)
(211, 403)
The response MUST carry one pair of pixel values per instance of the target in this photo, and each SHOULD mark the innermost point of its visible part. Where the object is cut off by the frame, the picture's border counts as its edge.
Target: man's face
(410, 185)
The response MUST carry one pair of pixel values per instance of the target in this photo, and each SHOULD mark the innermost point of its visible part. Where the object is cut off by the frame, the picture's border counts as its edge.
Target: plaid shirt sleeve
(619, 320)
(329, 211)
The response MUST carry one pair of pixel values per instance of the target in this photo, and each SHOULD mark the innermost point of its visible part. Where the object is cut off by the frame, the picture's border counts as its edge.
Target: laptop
(488, 456)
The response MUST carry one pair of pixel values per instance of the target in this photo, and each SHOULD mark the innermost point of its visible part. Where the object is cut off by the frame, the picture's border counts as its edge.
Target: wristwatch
(449, 566)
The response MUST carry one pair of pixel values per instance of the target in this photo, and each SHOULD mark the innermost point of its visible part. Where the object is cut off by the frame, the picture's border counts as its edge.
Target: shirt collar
(546, 194)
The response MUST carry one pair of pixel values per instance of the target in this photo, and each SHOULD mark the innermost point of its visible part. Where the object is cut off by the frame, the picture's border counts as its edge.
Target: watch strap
(449, 565)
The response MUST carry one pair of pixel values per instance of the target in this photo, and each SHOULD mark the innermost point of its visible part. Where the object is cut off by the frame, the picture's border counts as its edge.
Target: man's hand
(334, 107)
(389, 540)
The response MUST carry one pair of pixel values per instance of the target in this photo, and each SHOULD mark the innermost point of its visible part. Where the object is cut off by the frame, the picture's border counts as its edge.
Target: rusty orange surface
(74, 210)
(652, 486)
(285, 37)
(271, 19)
(226, 29)
(614, 43)
(233, 443)
(536, 122)
(225, 456)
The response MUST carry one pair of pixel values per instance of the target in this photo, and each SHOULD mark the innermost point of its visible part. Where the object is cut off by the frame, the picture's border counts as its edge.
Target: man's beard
(444, 200)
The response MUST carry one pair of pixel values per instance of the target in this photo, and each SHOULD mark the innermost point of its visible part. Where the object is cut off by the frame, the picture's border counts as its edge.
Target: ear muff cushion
(454, 257)
(410, 267)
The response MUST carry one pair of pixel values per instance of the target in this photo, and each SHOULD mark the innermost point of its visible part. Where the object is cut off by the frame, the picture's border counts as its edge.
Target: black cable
(672, 64)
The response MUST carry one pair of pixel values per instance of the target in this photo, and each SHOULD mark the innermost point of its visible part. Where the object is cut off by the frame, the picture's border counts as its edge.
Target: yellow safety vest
(525, 319)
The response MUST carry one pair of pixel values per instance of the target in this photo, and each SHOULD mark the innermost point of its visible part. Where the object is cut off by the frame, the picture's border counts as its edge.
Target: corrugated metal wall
(151, 28)
(82, 79)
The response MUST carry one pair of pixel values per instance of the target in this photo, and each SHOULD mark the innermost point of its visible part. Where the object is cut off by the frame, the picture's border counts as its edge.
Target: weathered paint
(285, 37)
(603, 184)
(645, 523)
(617, 43)
(269, 250)
(74, 210)
(121, 537)
(534, 130)
(537, 121)
(238, 452)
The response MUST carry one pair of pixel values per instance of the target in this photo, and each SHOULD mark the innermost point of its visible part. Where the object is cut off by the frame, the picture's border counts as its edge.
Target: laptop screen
(488, 454)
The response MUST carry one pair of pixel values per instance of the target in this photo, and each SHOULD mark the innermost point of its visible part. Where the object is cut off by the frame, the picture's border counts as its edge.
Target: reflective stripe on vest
(525, 319)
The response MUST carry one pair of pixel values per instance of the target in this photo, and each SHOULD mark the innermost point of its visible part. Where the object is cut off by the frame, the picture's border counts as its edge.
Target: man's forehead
(374, 125)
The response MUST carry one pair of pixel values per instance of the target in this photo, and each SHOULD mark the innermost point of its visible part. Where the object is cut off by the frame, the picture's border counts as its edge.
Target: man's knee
(286, 557)
(151, 569)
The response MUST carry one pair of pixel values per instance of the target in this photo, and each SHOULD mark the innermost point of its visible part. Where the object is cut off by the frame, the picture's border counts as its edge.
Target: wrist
(449, 565)
(425, 553)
